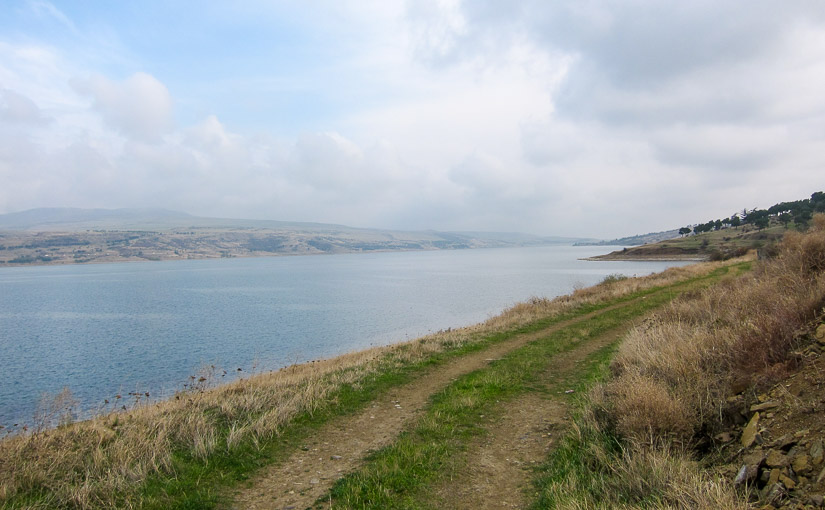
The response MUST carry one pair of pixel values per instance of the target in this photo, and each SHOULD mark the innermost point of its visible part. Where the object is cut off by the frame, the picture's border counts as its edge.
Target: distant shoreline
(619, 257)
(22, 249)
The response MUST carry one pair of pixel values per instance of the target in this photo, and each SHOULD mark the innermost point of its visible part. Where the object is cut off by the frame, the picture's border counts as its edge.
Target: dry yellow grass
(688, 358)
(101, 462)
(672, 375)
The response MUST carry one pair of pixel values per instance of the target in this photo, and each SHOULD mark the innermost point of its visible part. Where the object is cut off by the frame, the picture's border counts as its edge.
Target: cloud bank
(571, 118)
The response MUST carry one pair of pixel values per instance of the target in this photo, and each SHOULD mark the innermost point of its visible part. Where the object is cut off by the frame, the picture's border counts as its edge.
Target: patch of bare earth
(340, 447)
(499, 466)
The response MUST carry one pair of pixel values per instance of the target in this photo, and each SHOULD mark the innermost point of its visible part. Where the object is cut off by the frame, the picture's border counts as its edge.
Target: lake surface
(109, 329)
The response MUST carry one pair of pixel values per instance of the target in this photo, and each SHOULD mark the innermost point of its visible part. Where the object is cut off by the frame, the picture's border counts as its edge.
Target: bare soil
(498, 467)
(340, 447)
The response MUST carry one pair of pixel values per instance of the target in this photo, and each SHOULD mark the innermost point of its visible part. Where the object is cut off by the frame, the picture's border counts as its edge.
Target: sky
(575, 118)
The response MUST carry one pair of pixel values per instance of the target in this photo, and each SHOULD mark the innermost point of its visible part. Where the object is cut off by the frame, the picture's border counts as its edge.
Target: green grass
(397, 476)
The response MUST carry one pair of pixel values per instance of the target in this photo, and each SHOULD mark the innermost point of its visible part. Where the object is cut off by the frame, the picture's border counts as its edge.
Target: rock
(816, 452)
(336, 457)
(816, 500)
(801, 464)
(776, 459)
(314, 481)
(784, 442)
(724, 437)
(774, 494)
(747, 474)
(787, 482)
(820, 334)
(774, 477)
(771, 404)
(821, 476)
(755, 458)
(749, 433)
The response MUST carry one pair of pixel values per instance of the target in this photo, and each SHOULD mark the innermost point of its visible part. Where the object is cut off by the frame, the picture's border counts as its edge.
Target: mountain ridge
(70, 235)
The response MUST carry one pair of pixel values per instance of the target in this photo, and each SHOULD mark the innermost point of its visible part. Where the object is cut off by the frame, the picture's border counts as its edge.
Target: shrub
(613, 278)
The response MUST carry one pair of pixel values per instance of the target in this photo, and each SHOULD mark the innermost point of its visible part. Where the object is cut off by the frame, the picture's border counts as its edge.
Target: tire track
(340, 446)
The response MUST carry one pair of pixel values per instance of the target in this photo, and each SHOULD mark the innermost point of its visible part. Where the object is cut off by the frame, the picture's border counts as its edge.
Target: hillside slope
(718, 244)
(69, 236)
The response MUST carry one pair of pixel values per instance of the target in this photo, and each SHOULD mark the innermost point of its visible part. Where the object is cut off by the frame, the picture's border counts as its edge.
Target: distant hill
(653, 237)
(723, 238)
(715, 245)
(64, 236)
(71, 219)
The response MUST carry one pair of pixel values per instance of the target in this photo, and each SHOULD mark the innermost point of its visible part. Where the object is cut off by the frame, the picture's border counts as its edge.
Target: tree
(762, 222)
(685, 231)
(735, 221)
(803, 216)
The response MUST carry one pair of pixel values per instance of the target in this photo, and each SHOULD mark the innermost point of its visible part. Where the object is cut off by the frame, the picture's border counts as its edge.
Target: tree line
(798, 212)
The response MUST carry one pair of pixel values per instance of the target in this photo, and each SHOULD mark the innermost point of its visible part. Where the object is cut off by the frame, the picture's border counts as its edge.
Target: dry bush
(688, 358)
(672, 375)
(637, 476)
(101, 462)
(669, 478)
(647, 409)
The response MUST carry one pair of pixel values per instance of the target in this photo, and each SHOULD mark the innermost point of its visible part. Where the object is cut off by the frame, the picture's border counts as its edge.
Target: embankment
(676, 424)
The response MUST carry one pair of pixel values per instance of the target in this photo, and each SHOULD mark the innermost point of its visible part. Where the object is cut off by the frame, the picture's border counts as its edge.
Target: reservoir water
(109, 329)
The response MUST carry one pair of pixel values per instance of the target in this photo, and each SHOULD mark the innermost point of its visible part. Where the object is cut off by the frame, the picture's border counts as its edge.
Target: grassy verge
(634, 443)
(181, 453)
(395, 476)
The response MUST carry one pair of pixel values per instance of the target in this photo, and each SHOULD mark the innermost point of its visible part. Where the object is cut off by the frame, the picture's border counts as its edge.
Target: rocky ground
(774, 445)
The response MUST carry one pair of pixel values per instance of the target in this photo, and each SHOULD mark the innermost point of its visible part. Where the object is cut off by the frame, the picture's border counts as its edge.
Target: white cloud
(139, 106)
(19, 109)
(577, 117)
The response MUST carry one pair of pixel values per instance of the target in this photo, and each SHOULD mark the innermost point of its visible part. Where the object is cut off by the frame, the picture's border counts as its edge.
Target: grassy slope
(638, 436)
(703, 246)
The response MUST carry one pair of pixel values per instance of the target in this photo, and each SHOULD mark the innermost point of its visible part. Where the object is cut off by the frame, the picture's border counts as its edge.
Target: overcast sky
(579, 118)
